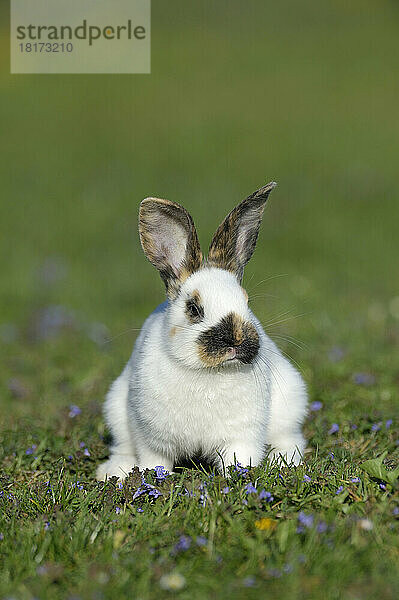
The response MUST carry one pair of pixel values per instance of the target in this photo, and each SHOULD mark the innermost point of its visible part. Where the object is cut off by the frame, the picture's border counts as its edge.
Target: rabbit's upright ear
(169, 240)
(234, 242)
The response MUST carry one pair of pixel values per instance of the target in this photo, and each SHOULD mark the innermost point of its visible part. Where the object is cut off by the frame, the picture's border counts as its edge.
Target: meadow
(301, 93)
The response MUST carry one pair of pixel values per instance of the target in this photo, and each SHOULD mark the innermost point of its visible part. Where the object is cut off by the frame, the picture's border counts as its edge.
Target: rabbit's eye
(194, 311)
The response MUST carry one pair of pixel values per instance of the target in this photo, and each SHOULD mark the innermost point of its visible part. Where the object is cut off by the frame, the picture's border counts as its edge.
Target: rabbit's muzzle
(231, 338)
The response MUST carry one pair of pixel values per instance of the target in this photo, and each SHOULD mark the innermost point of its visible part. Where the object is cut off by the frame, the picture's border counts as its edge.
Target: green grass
(303, 93)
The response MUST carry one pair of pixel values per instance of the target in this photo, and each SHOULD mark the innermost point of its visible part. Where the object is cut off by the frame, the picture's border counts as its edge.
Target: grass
(302, 93)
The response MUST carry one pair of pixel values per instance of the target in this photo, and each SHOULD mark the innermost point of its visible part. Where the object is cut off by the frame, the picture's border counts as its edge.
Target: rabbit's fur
(203, 377)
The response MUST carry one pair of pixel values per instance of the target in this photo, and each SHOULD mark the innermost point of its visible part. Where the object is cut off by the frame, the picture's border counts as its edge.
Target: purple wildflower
(119, 485)
(388, 423)
(242, 471)
(363, 378)
(74, 411)
(1, 537)
(201, 540)
(82, 445)
(250, 489)
(225, 490)
(86, 452)
(395, 511)
(139, 510)
(274, 573)
(333, 429)
(331, 456)
(336, 354)
(321, 527)
(383, 486)
(355, 479)
(249, 581)
(305, 520)
(339, 490)
(263, 495)
(183, 544)
(315, 406)
(160, 472)
(287, 568)
(376, 426)
(307, 479)
(31, 449)
(353, 426)
(117, 510)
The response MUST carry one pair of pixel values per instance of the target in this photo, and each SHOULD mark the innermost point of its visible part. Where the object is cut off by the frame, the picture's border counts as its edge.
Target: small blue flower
(339, 490)
(86, 452)
(249, 581)
(355, 479)
(250, 489)
(82, 445)
(160, 472)
(225, 490)
(395, 511)
(263, 495)
(119, 485)
(388, 423)
(74, 411)
(287, 568)
(376, 426)
(307, 479)
(274, 573)
(383, 486)
(31, 449)
(238, 468)
(333, 429)
(139, 510)
(354, 426)
(364, 378)
(201, 540)
(315, 406)
(331, 455)
(183, 544)
(321, 527)
(305, 520)
(117, 510)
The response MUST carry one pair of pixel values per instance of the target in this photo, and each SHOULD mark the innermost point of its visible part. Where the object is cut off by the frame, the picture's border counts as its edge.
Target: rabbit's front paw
(118, 465)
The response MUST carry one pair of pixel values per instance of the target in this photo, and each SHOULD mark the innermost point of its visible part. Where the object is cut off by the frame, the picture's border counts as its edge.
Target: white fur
(167, 404)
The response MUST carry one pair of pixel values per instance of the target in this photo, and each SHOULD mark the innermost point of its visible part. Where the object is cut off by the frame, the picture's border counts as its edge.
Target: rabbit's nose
(231, 353)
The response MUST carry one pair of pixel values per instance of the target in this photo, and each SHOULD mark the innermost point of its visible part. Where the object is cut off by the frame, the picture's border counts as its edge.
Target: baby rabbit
(203, 377)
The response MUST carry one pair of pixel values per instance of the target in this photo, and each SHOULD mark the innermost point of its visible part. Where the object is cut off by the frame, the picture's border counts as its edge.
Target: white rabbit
(203, 377)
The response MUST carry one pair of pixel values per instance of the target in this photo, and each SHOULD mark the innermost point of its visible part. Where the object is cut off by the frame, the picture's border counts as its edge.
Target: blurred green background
(305, 93)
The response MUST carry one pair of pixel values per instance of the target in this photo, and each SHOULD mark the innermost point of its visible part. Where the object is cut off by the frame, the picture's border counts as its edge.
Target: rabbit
(204, 377)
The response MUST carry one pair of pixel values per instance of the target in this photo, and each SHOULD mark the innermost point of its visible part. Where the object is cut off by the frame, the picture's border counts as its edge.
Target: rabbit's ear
(169, 240)
(234, 242)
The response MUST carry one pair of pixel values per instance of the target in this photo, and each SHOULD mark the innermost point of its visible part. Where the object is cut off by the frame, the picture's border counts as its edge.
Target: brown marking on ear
(234, 241)
(170, 242)
(173, 331)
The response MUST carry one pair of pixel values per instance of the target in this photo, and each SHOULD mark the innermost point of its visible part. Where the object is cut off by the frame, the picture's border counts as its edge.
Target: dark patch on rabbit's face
(194, 308)
(215, 344)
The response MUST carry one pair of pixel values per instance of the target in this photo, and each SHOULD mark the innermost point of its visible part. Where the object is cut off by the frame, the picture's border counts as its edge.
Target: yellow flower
(265, 524)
